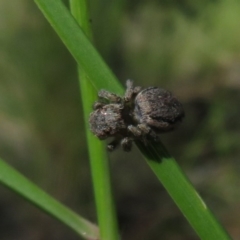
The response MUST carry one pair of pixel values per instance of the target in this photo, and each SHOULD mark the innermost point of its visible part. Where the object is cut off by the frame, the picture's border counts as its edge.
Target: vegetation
(193, 50)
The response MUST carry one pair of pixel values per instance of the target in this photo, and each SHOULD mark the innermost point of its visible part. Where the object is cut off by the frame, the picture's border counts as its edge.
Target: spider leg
(143, 131)
(113, 145)
(131, 91)
(112, 97)
(135, 131)
(137, 89)
(160, 125)
(126, 144)
(147, 131)
(98, 105)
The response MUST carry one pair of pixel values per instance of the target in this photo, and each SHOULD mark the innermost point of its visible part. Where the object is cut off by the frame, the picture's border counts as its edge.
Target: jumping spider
(140, 114)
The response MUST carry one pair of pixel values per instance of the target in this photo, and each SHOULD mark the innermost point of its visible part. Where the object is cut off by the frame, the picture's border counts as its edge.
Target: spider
(139, 114)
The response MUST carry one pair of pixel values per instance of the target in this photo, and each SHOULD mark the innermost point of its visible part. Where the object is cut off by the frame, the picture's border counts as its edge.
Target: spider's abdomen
(157, 108)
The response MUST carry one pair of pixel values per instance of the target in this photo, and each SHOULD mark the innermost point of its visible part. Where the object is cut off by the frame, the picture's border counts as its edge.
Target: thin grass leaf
(99, 163)
(78, 44)
(182, 192)
(25, 188)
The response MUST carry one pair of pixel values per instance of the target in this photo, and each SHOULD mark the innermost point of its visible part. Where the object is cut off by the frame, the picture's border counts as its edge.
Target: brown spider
(140, 114)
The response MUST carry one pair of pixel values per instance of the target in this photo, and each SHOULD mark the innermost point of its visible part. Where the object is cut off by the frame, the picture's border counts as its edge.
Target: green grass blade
(167, 171)
(99, 162)
(78, 44)
(25, 188)
(182, 192)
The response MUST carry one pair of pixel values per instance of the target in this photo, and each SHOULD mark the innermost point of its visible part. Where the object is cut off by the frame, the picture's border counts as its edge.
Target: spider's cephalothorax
(140, 114)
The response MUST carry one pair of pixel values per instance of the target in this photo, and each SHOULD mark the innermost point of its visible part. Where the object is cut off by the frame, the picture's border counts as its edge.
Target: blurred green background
(189, 47)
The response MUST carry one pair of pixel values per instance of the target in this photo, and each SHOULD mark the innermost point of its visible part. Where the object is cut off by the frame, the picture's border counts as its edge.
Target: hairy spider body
(107, 121)
(111, 120)
(140, 114)
(158, 109)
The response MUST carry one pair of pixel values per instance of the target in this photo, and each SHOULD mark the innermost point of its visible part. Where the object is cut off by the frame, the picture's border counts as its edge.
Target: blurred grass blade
(21, 185)
(99, 162)
(159, 160)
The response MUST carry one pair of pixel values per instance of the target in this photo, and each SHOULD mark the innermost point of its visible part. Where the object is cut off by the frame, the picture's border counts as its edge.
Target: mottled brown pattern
(140, 114)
